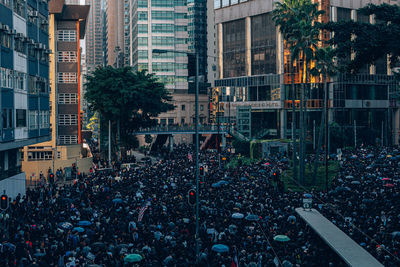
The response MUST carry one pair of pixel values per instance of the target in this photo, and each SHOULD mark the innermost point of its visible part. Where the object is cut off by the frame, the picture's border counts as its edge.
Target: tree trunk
(318, 151)
(294, 135)
(326, 133)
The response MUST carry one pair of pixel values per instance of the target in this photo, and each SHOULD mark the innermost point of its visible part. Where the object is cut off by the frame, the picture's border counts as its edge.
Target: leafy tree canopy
(368, 41)
(132, 98)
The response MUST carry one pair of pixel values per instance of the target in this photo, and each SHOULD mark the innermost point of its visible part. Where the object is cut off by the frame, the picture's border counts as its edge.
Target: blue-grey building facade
(24, 82)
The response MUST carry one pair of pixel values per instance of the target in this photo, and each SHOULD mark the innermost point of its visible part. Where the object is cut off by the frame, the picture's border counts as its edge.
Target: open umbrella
(78, 229)
(252, 217)
(132, 258)
(389, 185)
(281, 238)
(389, 156)
(306, 195)
(216, 185)
(386, 179)
(369, 156)
(243, 179)
(117, 200)
(220, 248)
(39, 254)
(349, 177)
(355, 182)
(84, 223)
(65, 225)
(237, 215)
(353, 157)
(223, 182)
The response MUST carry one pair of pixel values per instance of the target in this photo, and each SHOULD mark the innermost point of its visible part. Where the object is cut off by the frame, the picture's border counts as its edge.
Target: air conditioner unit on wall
(34, 14)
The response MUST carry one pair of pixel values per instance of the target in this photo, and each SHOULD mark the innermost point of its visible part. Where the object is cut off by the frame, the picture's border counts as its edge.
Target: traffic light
(201, 170)
(4, 202)
(51, 177)
(192, 197)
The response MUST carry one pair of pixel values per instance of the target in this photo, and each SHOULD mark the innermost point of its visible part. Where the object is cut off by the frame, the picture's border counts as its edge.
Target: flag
(141, 213)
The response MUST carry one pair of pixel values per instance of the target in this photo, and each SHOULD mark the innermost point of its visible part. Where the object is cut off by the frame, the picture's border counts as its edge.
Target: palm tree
(297, 21)
(325, 67)
(285, 17)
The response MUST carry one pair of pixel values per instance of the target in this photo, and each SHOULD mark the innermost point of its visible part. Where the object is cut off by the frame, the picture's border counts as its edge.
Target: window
(201, 107)
(40, 155)
(33, 119)
(142, 41)
(142, 54)
(20, 80)
(21, 117)
(162, 3)
(5, 39)
(143, 66)
(68, 139)
(163, 122)
(182, 120)
(142, 15)
(67, 35)
(162, 28)
(142, 3)
(66, 56)
(67, 99)
(4, 118)
(44, 119)
(67, 77)
(67, 119)
(183, 107)
(165, 41)
(181, 41)
(7, 78)
(217, 3)
(180, 16)
(171, 121)
(179, 28)
(19, 7)
(7, 3)
(169, 55)
(19, 45)
(10, 118)
(142, 28)
(162, 15)
(32, 52)
(163, 67)
(43, 23)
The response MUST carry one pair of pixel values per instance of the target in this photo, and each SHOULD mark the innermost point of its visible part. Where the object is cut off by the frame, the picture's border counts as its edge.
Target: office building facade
(94, 35)
(67, 25)
(24, 86)
(253, 90)
(160, 24)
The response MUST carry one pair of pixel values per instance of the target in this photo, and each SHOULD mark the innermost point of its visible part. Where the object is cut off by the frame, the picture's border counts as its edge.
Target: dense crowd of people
(141, 216)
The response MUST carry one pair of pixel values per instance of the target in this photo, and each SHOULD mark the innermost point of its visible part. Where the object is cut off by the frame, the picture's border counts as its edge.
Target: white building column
(248, 46)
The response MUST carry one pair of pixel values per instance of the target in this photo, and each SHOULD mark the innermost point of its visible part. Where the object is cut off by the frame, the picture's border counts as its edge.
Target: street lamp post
(162, 51)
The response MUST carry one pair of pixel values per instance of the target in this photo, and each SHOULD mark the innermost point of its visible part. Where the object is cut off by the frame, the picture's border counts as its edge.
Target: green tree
(298, 23)
(368, 42)
(128, 99)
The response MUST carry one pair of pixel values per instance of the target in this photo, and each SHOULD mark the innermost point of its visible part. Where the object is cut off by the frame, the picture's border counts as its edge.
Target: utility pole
(197, 155)
(355, 134)
(326, 134)
(218, 132)
(109, 143)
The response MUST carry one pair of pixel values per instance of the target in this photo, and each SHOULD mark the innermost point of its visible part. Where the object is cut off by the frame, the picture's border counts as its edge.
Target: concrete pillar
(283, 114)
(220, 51)
(171, 143)
(248, 46)
(223, 142)
(396, 129)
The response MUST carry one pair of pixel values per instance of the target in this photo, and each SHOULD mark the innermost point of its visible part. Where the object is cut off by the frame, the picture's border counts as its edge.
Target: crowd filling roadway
(141, 216)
